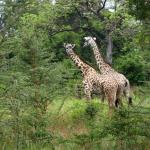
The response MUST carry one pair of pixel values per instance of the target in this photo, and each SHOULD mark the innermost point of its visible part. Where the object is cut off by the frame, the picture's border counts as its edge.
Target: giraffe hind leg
(117, 102)
(127, 95)
(119, 95)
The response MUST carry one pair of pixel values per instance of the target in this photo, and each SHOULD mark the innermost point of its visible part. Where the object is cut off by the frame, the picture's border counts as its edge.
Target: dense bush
(133, 66)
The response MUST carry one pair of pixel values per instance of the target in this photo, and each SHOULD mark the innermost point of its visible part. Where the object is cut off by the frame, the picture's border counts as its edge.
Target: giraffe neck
(102, 66)
(78, 62)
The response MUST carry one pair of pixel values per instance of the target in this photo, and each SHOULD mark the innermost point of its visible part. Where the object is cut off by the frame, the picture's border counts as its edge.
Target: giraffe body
(92, 79)
(105, 69)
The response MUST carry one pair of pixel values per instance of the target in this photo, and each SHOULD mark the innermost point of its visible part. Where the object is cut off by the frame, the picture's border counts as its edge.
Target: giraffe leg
(127, 92)
(127, 95)
(118, 101)
(102, 97)
(87, 91)
(111, 108)
(111, 96)
(88, 94)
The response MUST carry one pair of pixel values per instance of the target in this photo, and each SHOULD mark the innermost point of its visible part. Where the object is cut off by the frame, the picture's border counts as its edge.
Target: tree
(140, 9)
(30, 78)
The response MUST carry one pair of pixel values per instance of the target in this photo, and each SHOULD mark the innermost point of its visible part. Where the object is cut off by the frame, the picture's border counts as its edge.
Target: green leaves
(133, 66)
(35, 71)
(139, 8)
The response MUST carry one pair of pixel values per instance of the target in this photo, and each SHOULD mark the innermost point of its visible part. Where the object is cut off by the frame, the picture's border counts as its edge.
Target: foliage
(91, 110)
(39, 83)
(139, 8)
(133, 66)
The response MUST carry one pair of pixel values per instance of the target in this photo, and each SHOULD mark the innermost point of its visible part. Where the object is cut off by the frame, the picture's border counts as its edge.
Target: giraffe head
(89, 41)
(69, 47)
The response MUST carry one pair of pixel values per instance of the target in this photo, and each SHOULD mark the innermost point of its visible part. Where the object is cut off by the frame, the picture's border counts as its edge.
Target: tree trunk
(109, 49)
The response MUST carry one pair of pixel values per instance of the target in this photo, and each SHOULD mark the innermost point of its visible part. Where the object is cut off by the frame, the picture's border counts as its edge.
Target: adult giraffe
(92, 79)
(122, 81)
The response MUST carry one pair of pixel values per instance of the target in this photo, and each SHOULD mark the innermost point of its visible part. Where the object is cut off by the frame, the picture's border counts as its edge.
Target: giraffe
(92, 79)
(106, 69)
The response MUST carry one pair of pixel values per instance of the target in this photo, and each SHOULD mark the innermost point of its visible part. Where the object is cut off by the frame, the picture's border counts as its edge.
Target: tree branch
(62, 30)
(90, 8)
(103, 6)
(96, 12)
(53, 33)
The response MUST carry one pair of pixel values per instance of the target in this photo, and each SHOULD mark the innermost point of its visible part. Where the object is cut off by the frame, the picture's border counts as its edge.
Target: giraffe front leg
(111, 97)
(87, 91)
(111, 104)
(87, 94)
(101, 94)
(102, 97)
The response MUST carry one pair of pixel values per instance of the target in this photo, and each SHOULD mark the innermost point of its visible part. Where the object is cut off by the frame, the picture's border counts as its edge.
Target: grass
(75, 124)
(71, 120)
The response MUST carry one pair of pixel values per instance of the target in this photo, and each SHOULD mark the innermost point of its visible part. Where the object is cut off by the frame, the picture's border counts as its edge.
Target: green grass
(75, 124)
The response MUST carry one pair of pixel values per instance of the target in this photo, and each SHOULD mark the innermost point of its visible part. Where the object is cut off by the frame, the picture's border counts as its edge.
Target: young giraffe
(122, 81)
(92, 79)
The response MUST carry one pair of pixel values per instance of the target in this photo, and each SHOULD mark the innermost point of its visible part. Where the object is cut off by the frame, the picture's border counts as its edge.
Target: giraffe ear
(94, 38)
(64, 44)
(85, 38)
(73, 45)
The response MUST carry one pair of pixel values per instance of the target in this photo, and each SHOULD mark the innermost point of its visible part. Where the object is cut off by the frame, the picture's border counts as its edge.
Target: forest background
(42, 105)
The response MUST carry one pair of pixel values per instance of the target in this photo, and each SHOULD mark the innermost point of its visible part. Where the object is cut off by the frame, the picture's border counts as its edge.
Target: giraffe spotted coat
(92, 79)
(105, 69)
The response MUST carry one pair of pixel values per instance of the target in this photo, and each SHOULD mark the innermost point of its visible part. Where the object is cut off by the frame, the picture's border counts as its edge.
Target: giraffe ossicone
(89, 41)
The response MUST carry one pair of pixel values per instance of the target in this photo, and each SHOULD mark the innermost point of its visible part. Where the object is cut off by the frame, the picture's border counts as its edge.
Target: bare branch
(96, 12)
(103, 6)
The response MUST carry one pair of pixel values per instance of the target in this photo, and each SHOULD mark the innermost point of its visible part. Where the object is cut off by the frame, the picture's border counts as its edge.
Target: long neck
(78, 62)
(102, 66)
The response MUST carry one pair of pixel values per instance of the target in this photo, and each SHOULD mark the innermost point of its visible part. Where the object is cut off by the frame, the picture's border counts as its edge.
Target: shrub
(133, 66)
(91, 110)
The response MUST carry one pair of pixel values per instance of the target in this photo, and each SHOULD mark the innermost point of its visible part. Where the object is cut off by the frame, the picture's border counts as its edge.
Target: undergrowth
(71, 123)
